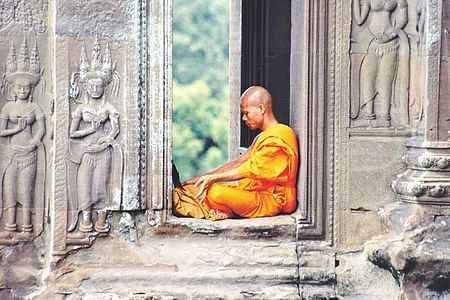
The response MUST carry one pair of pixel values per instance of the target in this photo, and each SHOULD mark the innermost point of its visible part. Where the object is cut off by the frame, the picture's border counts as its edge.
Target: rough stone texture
(349, 270)
(417, 250)
(368, 187)
(179, 264)
(21, 269)
(317, 278)
(280, 227)
(108, 18)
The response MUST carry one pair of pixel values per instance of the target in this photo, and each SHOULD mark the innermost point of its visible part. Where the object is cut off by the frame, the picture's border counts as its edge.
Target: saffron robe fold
(270, 172)
(268, 186)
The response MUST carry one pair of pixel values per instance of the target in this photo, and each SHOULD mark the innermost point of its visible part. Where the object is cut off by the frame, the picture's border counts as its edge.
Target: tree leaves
(200, 92)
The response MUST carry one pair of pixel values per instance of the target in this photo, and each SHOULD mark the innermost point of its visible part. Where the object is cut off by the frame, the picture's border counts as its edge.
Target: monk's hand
(204, 182)
(191, 181)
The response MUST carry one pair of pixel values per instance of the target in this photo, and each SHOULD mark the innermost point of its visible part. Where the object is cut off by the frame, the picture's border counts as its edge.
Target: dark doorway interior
(266, 49)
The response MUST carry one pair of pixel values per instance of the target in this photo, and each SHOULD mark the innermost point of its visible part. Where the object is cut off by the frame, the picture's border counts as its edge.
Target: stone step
(317, 292)
(317, 272)
(181, 267)
(108, 278)
(180, 291)
(317, 276)
(278, 228)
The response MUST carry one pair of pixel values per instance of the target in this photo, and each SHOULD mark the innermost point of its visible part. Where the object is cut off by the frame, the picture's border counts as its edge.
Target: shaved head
(256, 95)
(256, 108)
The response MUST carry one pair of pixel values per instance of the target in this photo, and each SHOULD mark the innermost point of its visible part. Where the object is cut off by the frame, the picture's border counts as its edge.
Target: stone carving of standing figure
(94, 150)
(22, 125)
(381, 67)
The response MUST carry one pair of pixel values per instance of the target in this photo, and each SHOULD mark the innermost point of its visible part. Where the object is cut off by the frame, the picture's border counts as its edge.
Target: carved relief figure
(94, 152)
(382, 68)
(22, 127)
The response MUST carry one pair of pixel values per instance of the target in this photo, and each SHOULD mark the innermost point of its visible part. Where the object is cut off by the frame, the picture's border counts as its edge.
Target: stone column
(235, 55)
(427, 177)
(416, 250)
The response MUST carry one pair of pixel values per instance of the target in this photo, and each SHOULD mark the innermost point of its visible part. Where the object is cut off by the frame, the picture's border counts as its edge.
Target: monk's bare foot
(219, 215)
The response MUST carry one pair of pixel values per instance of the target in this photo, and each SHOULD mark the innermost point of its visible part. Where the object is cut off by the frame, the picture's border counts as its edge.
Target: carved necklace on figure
(99, 114)
(22, 111)
(383, 5)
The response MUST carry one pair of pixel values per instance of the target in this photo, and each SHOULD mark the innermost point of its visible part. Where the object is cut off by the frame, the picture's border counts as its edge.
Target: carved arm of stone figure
(361, 11)
(75, 124)
(21, 125)
(36, 140)
(4, 132)
(398, 24)
(40, 132)
(109, 139)
(402, 18)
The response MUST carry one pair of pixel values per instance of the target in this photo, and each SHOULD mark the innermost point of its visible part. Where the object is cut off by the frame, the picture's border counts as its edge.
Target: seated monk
(266, 171)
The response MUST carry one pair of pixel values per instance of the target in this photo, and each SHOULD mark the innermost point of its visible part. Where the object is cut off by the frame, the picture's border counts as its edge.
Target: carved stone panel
(25, 106)
(380, 53)
(376, 73)
(95, 159)
(98, 118)
(119, 22)
(23, 161)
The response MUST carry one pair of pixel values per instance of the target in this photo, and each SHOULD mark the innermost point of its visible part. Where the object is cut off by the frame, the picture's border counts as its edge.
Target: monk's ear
(262, 108)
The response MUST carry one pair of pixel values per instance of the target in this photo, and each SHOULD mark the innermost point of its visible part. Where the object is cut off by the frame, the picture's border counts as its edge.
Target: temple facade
(86, 142)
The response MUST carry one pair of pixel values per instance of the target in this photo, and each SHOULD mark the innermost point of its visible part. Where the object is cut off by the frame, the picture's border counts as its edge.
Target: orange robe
(268, 186)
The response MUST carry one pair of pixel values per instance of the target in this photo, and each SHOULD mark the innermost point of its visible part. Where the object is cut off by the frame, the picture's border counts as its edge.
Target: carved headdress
(99, 67)
(23, 66)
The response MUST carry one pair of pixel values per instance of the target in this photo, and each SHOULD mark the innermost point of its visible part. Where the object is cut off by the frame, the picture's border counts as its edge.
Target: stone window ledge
(279, 227)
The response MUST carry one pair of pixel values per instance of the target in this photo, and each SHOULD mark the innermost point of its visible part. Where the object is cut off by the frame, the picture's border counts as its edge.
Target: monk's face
(252, 113)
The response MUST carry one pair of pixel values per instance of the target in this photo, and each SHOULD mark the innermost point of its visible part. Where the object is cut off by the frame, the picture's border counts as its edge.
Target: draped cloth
(268, 186)
(9, 160)
(111, 191)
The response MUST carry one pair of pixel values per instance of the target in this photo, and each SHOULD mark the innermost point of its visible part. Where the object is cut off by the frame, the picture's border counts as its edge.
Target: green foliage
(200, 92)
(200, 48)
(200, 130)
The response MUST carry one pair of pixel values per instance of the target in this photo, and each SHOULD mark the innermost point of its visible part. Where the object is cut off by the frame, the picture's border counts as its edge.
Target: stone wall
(83, 98)
(85, 151)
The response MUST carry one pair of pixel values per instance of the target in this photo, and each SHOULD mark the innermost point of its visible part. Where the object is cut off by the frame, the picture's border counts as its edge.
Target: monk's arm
(229, 166)
(204, 182)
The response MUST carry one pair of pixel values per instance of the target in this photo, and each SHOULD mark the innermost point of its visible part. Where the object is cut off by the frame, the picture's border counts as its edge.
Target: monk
(266, 171)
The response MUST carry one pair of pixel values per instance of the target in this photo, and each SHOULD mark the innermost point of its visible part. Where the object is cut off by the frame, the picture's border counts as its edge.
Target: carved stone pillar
(417, 244)
(427, 177)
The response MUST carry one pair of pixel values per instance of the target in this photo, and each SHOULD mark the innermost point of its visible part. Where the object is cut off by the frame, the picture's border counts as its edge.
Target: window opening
(200, 85)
